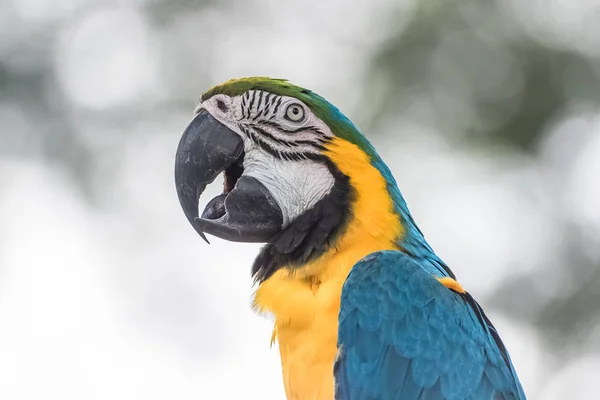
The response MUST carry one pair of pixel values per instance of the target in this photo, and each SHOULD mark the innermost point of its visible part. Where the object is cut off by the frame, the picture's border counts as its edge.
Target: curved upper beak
(246, 211)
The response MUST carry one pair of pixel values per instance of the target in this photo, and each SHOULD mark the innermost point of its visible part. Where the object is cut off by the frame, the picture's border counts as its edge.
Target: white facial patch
(295, 185)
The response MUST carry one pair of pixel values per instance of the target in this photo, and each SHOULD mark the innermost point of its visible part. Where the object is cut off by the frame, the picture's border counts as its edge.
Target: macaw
(364, 309)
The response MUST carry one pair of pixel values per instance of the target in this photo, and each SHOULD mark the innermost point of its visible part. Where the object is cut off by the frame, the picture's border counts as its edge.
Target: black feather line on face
(257, 136)
(287, 143)
(279, 100)
(311, 234)
(260, 110)
(312, 129)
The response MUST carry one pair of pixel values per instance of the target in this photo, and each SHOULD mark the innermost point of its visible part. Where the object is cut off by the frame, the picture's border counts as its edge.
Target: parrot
(363, 308)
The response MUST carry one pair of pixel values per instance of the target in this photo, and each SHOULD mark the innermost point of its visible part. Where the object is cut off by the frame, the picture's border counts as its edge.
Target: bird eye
(294, 113)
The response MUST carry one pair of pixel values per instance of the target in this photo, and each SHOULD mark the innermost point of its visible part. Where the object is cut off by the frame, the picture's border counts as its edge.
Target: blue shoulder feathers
(405, 336)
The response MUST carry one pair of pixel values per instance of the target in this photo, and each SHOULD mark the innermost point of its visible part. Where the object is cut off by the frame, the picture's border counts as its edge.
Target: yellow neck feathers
(305, 301)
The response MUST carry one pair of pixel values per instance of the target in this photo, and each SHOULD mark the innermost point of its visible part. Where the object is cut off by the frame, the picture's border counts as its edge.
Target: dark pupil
(295, 111)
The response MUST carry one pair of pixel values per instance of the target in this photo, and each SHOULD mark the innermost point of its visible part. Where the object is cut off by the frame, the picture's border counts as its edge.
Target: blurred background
(487, 111)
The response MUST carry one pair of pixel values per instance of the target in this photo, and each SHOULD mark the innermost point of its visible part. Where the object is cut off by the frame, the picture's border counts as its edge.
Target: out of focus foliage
(45, 117)
(495, 76)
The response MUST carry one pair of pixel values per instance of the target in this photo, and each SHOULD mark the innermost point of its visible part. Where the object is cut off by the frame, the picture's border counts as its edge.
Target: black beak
(246, 211)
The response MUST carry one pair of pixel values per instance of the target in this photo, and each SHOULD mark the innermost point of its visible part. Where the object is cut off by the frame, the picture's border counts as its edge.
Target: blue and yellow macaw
(363, 307)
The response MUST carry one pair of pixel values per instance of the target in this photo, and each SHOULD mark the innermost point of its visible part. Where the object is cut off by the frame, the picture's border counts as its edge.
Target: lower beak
(246, 212)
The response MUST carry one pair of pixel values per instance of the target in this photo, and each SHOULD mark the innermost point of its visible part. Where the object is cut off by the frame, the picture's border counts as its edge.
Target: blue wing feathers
(435, 393)
(405, 336)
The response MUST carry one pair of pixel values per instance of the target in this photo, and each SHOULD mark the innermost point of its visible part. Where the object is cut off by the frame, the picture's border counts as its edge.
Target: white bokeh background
(117, 298)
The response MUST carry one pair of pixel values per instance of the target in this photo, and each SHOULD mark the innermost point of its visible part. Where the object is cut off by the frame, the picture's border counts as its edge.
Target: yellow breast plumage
(306, 301)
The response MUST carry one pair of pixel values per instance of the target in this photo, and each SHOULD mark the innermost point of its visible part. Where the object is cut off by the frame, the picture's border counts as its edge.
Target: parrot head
(292, 166)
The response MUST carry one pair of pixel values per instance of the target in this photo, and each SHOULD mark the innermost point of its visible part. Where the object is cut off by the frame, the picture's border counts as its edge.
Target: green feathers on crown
(239, 86)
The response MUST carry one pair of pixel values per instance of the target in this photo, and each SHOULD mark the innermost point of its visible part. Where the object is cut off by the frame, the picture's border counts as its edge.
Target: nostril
(222, 106)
